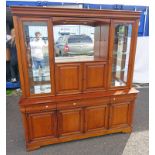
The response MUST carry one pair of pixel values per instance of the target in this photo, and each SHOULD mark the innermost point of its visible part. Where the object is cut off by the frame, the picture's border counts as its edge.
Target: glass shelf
(118, 83)
(120, 53)
(118, 69)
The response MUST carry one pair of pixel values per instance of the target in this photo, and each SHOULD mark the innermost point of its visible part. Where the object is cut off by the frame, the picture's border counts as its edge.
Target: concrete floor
(136, 143)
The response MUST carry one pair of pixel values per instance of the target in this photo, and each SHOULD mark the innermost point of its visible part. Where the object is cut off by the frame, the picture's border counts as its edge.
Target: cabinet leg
(31, 148)
(128, 130)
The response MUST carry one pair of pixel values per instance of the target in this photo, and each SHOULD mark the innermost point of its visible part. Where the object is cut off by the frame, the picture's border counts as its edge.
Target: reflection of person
(36, 48)
(37, 54)
(11, 48)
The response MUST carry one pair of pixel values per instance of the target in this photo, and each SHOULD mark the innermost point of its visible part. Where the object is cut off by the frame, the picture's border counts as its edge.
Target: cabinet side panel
(20, 62)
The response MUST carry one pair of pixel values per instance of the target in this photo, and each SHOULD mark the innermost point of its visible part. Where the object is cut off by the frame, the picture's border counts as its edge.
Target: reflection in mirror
(36, 41)
(77, 42)
(121, 54)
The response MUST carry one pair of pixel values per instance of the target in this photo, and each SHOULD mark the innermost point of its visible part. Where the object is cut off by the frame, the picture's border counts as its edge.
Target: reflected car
(71, 45)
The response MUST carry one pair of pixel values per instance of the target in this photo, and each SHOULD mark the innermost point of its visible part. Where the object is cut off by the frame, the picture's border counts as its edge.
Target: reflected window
(36, 41)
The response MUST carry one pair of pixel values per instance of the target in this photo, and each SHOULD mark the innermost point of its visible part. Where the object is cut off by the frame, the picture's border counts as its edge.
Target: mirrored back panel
(80, 42)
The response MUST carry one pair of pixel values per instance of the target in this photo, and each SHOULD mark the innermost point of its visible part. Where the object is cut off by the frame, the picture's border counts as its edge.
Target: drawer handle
(114, 99)
(74, 103)
(46, 106)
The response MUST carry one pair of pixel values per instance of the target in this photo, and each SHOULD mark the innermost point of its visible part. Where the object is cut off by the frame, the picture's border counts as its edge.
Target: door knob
(74, 103)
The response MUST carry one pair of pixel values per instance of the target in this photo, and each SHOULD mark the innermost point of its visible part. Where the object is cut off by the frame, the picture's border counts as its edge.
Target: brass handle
(46, 106)
(114, 99)
(74, 103)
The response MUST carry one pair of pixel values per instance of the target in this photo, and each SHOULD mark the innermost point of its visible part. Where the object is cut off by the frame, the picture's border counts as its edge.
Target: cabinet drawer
(41, 107)
(82, 103)
(122, 98)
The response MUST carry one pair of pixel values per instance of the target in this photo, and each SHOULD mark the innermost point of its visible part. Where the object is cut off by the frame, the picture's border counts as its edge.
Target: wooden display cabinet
(76, 69)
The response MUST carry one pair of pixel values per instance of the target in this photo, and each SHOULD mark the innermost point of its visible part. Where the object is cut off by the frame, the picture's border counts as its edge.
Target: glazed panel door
(122, 53)
(37, 56)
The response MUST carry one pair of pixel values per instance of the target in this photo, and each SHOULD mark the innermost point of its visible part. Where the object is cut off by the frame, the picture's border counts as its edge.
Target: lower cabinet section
(79, 119)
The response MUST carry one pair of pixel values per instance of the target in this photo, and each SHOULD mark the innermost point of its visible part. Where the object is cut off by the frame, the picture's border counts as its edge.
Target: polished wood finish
(70, 122)
(94, 76)
(69, 77)
(119, 115)
(96, 118)
(82, 102)
(42, 125)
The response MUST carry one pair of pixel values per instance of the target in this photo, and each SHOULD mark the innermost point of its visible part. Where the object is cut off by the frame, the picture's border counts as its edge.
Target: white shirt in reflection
(37, 49)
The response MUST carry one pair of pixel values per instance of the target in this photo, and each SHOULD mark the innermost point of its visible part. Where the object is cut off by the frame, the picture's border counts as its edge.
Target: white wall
(141, 69)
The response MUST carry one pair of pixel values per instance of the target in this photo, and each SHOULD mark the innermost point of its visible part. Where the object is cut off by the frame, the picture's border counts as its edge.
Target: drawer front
(122, 98)
(82, 103)
(40, 107)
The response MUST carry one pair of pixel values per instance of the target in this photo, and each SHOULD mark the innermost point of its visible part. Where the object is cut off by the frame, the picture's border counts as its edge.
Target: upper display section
(74, 51)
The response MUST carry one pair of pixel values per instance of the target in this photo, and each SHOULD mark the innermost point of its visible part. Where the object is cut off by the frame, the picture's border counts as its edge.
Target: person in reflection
(36, 48)
(11, 48)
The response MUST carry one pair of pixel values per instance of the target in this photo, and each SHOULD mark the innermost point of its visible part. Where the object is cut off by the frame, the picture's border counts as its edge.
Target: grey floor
(136, 143)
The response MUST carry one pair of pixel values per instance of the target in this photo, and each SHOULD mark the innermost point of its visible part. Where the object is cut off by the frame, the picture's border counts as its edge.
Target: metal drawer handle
(114, 99)
(74, 103)
(46, 106)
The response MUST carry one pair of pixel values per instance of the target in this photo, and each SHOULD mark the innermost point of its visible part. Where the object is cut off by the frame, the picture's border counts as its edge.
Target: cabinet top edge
(45, 11)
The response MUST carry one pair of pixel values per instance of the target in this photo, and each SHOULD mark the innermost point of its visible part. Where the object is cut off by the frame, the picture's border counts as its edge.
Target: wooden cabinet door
(68, 78)
(42, 124)
(96, 118)
(94, 76)
(120, 115)
(70, 121)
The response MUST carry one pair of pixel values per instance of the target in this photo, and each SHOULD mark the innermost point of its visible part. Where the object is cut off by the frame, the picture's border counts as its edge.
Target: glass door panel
(121, 50)
(36, 42)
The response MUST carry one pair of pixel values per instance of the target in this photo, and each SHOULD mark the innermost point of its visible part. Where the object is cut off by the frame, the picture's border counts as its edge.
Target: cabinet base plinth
(37, 144)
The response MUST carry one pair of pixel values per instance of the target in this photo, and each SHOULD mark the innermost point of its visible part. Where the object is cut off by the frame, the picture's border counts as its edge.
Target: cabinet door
(42, 125)
(38, 71)
(94, 76)
(70, 121)
(68, 78)
(96, 118)
(122, 53)
(120, 115)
